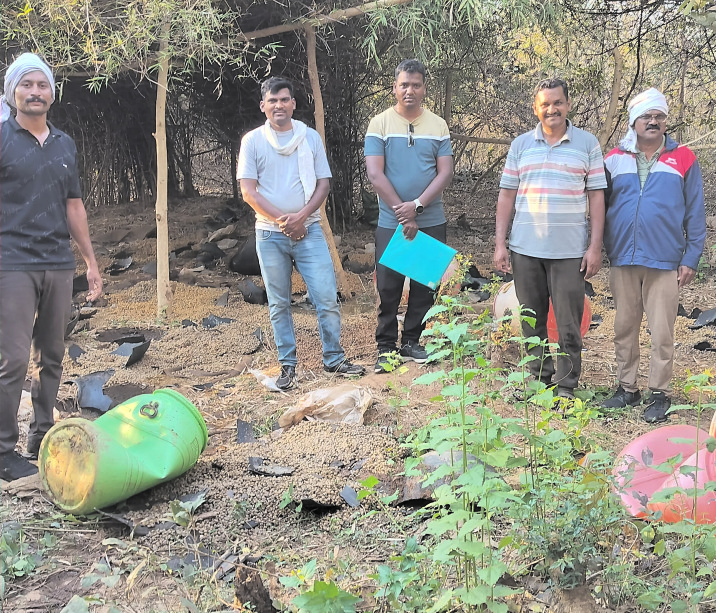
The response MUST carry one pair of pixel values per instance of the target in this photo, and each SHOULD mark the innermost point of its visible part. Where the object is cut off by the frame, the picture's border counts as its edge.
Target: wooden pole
(447, 109)
(480, 139)
(319, 115)
(164, 290)
(614, 100)
(333, 16)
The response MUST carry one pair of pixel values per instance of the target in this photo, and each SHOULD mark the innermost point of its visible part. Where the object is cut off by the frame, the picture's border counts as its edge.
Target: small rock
(227, 243)
(222, 233)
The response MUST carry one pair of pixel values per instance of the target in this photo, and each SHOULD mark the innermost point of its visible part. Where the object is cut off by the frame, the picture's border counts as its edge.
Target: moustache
(40, 100)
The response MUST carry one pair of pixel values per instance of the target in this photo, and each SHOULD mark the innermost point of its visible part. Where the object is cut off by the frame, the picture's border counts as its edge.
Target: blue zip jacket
(663, 224)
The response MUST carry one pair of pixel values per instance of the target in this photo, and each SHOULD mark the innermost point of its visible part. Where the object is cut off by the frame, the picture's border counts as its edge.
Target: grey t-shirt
(277, 175)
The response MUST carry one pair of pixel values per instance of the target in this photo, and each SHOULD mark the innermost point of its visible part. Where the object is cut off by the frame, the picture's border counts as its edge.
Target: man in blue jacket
(654, 235)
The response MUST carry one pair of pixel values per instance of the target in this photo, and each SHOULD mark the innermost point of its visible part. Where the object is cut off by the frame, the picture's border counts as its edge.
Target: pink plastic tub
(637, 478)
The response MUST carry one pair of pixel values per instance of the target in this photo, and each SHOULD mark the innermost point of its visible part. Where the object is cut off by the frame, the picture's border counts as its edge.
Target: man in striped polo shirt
(408, 159)
(554, 183)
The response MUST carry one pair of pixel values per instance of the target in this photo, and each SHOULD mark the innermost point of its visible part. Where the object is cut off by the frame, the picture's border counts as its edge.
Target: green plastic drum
(146, 440)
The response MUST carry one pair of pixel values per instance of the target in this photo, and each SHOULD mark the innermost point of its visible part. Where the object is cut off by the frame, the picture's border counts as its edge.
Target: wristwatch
(419, 208)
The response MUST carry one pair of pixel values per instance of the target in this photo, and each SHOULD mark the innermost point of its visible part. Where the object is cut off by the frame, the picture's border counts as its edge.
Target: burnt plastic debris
(706, 318)
(90, 394)
(704, 346)
(74, 318)
(119, 265)
(244, 432)
(257, 466)
(132, 351)
(75, 351)
(350, 496)
(252, 293)
(214, 320)
(246, 262)
(223, 300)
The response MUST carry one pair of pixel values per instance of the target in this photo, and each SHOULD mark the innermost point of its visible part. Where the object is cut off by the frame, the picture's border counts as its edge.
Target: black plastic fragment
(350, 496)
(75, 351)
(136, 530)
(133, 351)
(119, 265)
(214, 320)
(704, 346)
(252, 293)
(706, 318)
(89, 390)
(257, 466)
(223, 300)
(244, 432)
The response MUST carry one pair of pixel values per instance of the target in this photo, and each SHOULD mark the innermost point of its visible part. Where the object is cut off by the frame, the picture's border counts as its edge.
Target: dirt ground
(243, 516)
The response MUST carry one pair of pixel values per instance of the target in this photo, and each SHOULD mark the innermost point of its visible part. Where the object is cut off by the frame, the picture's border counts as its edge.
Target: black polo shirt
(35, 183)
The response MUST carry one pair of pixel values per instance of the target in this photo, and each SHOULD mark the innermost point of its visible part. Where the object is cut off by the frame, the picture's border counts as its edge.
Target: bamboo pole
(320, 117)
(164, 290)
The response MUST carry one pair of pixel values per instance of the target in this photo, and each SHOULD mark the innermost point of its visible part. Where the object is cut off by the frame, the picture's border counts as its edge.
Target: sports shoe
(287, 379)
(33, 446)
(412, 351)
(346, 369)
(383, 364)
(565, 392)
(12, 466)
(622, 399)
(659, 404)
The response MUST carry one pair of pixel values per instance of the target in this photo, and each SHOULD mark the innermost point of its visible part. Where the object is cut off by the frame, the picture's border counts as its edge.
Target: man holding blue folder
(409, 162)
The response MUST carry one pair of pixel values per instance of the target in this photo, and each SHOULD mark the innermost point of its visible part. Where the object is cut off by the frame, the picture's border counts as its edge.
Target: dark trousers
(34, 310)
(536, 281)
(390, 290)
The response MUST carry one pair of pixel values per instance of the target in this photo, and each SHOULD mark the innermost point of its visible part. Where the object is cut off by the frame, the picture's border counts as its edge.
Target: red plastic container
(552, 332)
(506, 299)
(637, 478)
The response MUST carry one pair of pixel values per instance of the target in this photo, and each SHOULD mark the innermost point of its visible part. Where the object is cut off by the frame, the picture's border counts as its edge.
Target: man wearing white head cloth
(41, 210)
(654, 235)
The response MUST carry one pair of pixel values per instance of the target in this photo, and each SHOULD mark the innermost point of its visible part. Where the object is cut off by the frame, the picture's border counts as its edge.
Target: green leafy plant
(322, 596)
(182, 513)
(17, 558)
(399, 395)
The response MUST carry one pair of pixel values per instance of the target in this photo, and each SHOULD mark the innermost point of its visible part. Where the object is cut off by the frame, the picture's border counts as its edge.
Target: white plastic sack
(343, 404)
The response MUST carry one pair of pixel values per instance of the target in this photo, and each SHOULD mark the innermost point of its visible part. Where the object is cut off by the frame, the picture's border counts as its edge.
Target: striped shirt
(552, 182)
(411, 151)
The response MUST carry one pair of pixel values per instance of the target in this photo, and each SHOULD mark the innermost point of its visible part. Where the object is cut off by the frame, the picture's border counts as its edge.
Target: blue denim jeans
(277, 254)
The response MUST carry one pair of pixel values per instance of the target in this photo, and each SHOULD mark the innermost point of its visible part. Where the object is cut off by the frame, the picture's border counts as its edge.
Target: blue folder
(423, 259)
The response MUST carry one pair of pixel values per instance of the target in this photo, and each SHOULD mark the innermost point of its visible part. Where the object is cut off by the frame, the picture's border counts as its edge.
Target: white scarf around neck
(306, 167)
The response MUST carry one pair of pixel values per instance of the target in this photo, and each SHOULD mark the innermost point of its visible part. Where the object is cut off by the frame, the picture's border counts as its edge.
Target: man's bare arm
(375, 167)
(505, 207)
(79, 231)
(260, 204)
(592, 260)
(293, 224)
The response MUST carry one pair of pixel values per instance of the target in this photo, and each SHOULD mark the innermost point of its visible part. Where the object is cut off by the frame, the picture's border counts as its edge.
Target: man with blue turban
(41, 210)
(654, 234)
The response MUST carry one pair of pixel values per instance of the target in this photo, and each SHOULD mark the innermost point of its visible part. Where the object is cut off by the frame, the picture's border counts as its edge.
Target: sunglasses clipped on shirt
(658, 118)
(411, 131)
